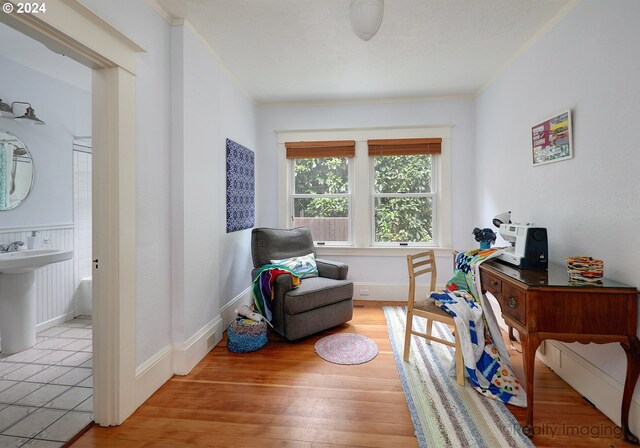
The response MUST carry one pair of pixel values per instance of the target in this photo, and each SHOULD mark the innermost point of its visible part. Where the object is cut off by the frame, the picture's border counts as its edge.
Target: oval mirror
(16, 171)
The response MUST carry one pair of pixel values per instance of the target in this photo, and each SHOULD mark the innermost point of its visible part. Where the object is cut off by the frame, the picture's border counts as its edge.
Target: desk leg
(632, 350)
(530, 343)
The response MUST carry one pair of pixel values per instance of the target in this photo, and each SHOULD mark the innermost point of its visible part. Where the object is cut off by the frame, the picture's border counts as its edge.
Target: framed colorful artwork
(240, 187)
(551, 139)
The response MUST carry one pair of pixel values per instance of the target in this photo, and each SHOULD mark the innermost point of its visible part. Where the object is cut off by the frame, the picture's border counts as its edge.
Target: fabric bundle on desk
(485, 355)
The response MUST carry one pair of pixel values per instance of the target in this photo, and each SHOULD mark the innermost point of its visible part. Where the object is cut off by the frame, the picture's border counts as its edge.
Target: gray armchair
(319, 302)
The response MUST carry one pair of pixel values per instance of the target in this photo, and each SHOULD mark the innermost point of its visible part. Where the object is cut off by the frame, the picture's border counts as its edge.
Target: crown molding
(102, 24)
(528, 44)
(364, 101)
(166, 16)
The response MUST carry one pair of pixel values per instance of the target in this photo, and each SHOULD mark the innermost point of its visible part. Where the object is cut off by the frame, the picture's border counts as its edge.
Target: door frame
(71, 29)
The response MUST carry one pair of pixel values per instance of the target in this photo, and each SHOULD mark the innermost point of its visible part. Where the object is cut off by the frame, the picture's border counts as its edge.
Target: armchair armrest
(332, 269)
(282, 284)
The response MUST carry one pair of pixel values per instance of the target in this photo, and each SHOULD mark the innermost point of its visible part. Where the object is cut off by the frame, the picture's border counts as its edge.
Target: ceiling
(305, 50)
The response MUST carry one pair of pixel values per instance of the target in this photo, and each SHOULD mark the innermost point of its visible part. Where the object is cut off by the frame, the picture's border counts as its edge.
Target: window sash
(433, 194)
(347, 195)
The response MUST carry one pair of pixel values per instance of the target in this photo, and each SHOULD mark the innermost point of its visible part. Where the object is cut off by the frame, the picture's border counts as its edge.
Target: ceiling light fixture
(366, 17)
(29, 116)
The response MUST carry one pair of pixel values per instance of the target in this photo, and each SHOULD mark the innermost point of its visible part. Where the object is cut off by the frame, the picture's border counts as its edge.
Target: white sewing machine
(529, 245)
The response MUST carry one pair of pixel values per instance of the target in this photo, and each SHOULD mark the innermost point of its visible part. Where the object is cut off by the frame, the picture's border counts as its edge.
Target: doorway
(78, 33)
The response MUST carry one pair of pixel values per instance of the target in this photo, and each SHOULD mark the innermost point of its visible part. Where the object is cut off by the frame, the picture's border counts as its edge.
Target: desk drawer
(513, 302)
(491, 283)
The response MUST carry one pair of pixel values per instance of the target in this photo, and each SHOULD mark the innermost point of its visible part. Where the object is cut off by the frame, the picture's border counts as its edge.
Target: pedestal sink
(17, 295)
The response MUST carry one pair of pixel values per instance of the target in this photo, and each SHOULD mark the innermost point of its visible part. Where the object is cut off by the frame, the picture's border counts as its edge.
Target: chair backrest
(419, 264)
(276, 244)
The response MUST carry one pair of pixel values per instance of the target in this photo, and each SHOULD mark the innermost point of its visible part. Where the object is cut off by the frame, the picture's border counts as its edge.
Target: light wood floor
(286, 396)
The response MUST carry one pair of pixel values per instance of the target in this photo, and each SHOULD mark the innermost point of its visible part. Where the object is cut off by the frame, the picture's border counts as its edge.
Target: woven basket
(585, 269)
(246, 335)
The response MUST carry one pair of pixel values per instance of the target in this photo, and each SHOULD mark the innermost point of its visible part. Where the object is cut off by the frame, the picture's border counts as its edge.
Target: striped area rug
(445, 414)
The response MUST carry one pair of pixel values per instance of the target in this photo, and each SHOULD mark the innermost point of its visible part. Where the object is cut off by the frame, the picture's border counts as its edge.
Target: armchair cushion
(315, 293)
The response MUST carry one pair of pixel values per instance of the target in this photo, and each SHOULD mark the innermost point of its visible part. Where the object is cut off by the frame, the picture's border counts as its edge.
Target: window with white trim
(321, 189)
(391, 192)
(404, 197)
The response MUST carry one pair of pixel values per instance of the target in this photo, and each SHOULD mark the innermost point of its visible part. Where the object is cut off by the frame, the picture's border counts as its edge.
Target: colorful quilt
(263, 286)
(485, 355)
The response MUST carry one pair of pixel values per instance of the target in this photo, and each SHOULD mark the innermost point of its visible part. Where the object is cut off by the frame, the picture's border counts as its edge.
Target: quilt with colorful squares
(485, 355)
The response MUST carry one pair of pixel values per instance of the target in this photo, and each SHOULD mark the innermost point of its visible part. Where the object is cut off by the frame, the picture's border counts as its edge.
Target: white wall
(49, 207)
(207, 267)
(65, 110)
(210, 266)
(137, 20)
(457, 113)
(589, 62)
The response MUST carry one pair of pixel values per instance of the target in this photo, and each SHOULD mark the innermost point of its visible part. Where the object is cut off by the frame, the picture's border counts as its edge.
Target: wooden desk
(544, 305)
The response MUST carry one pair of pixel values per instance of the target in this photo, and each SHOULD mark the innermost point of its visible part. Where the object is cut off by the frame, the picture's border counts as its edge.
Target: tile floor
(46, 392)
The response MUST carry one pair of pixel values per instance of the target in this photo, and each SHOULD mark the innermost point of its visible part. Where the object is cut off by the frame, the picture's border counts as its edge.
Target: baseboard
(604, 391)
(187, 355)
(153, 373)
(228, 311)
(53, 322)
(392, 292)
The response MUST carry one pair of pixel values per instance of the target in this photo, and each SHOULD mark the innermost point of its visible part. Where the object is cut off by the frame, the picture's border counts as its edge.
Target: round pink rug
(346, 348)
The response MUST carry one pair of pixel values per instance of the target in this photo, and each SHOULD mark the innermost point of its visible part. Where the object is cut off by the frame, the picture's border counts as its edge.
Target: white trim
(72, 29)
(391, 292)
(37, 227)
(166, 16)
(227, 311)
(349, 102)
(361, 202)
(114, 244)
(604, 391)
(55, 321)
(186, 355)
(528, 44)
(380, 251)
(216, 56)
(153, 373)
(362, 133)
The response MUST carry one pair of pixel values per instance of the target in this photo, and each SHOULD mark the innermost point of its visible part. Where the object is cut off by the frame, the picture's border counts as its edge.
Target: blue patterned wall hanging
(241, 190)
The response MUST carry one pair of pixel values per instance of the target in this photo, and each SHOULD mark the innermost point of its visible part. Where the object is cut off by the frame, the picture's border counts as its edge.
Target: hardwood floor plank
(286, 396)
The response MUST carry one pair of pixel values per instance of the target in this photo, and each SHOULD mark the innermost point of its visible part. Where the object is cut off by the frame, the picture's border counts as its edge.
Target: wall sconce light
(29, 116)
(6, 110)
(366, 17)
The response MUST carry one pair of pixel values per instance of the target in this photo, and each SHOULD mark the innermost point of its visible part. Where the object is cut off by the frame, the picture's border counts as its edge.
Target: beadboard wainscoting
(54, 283)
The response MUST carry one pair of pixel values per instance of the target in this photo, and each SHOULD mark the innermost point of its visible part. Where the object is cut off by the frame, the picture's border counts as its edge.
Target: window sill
(379, 251)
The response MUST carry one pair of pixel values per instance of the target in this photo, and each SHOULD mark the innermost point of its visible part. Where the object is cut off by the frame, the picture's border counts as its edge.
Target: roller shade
(312, 150)
(404, 146)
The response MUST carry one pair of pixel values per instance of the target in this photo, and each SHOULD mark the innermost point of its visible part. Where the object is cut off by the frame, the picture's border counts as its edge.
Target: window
(321, 188)
(367, 190)
(404, 197)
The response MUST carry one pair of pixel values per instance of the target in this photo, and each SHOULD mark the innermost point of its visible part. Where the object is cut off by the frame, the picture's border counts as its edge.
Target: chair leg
(407, 336)
(459, 363)
(429, 327)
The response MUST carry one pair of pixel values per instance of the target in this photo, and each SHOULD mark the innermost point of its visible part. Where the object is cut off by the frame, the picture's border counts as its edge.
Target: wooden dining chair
(419, 264)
